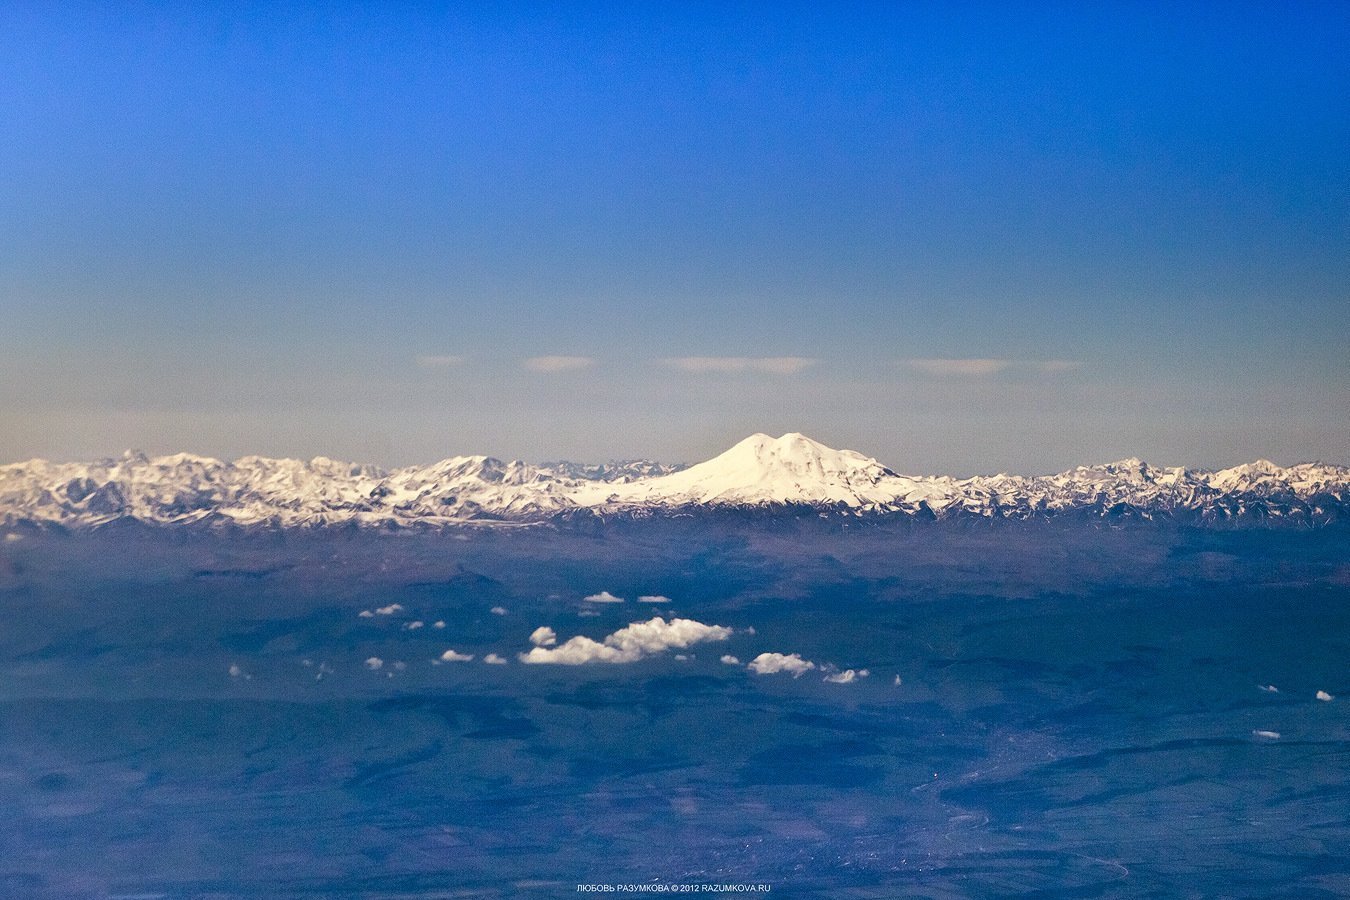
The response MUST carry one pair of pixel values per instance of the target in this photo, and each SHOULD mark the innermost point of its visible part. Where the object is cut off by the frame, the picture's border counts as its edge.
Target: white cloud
(452, 656)
(898, 682)
(1324, 696)
(498, 610)
(439, 623)
(847, 676)
(723, 365)
(1269, 688)
(1268, 735)
(413, 626)
(630, 643)
(389, 610)
(729, 660)
(365, 614)
(543, 636)
(603, 597)
(236, 672)
(374, 663)
(493, 659)
(653, 598)
(772, 663)
(554, 364)
(439, 361)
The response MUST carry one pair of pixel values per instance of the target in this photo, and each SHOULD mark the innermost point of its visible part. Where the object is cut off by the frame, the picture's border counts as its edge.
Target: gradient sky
(1006, 237)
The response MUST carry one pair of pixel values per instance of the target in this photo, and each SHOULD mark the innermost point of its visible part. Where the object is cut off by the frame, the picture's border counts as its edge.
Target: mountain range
(791, 474)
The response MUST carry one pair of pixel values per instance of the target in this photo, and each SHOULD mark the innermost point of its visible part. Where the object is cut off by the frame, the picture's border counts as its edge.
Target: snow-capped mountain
(759, 471)
(791, 473)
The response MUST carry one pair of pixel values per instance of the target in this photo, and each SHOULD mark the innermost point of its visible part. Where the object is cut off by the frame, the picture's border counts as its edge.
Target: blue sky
(1005, 237)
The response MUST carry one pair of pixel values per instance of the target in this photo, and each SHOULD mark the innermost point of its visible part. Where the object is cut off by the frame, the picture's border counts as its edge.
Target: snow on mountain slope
(759, 472)
(762, 470)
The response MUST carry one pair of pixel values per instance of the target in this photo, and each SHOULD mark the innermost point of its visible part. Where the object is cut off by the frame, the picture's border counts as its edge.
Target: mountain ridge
(760, 473)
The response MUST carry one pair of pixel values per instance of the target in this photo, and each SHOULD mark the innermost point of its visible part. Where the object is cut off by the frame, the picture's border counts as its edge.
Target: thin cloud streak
(962, 368)
(440, 361)
(724, 365)
(983, 368)
(552, 365)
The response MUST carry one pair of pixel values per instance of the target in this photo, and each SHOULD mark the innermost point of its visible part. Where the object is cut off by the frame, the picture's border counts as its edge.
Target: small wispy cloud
(602, 597)
(552, 365)
(454, 656)
(723, 365)
(984, 367)
(653, 598)
(848, 676)
(440, 361)
(962, 368)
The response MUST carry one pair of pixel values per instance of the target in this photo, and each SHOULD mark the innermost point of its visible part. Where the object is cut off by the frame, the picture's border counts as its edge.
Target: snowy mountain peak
(764, 470)
(792, 453)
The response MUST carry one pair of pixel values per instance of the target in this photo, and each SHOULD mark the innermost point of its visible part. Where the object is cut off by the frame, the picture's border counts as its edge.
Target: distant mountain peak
(764, 470)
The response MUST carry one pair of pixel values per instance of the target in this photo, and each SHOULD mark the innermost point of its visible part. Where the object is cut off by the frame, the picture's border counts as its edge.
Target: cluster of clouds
(607, 597)
(633, 642)
(391, 609)
(793, 664)
(628, 644)
(1268, 735)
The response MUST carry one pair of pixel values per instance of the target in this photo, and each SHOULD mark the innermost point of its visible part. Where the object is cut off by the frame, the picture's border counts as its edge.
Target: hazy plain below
(1066, 710)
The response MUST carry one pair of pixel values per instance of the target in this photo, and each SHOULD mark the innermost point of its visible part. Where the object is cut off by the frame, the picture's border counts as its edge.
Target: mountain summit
(762, 470)
(762, 473)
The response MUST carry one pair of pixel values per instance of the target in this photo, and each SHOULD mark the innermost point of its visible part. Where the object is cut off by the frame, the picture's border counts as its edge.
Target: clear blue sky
(957, 238)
